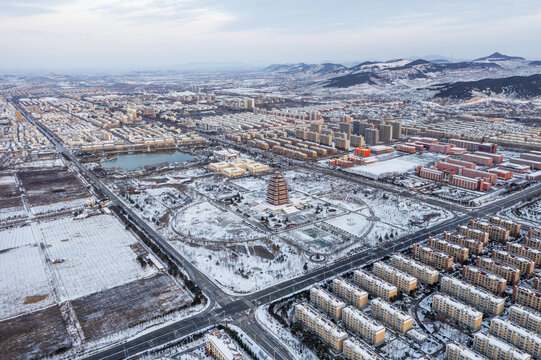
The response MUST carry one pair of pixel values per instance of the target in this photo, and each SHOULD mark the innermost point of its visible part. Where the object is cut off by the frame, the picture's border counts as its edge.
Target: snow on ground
(296, 349)
(59, 206)
(7, 180)
(205, 221)
(16, 237)
(47, 163)
(250, 343)
(23, 280)
(251, 183)
(382, 169)
(352, 223)
(223, 266)
(96, 253)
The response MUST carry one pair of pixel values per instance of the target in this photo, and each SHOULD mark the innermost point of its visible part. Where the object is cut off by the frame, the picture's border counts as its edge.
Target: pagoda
(277, 193)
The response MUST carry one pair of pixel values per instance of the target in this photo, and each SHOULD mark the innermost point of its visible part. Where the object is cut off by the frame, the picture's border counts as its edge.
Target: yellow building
(463, 314)
(474, 246)
(354, 350)
(454, 351)
(491, 282)
(331, 334)
(425, 274)
(510, 273)
(349, 292)
(497, 349)
(525, 317)
(220, 346)
(532, 242)
(374, 285)
(459, 253)
(525, 251)
(527, 297)
(512, 226)
(388, 314)
(535, 232)
(433, 257)
(473, 296)
(495, 232)
(366, 327)
(327, 303)
(526, 266)
(476, 234)
(404, 282)
(522, 338)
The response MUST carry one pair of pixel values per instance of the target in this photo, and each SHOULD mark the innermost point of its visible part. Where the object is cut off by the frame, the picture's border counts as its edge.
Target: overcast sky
(138, 34)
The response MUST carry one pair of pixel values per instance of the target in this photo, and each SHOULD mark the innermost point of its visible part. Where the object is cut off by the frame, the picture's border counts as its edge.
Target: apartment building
(433, 257)
(513, 227)
(423, 273)
(491, 282)
(389, 315)
(350, 293)
(525, 251)
(525, 318)
(495, 232)
(374, 285)
(472, 295)
(522, 338)
(404, 282)
(509, 272)
(496, 349)
(354, 350)
(474, 246)
(331, 334)
(535, 232)
(527, 297)
(526, 266)
(326, 303)
(370, 330)
(476, 234)
(454, 351)
(532, 242)
(220, 346)
(537, 283)
(463, 314)
(459, 253)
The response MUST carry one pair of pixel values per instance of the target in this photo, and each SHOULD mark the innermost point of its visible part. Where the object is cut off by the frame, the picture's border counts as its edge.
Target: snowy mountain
(302, 68)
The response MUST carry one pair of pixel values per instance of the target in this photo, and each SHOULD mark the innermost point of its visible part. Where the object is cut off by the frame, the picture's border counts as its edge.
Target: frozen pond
(132, 161)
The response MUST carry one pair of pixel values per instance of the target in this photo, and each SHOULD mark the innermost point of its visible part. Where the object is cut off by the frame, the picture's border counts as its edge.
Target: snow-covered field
(352, 223)
(96, 254)
(205, 221)
(59, 206)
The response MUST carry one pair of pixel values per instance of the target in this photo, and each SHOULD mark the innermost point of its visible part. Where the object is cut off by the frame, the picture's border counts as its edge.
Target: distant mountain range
(426, 74)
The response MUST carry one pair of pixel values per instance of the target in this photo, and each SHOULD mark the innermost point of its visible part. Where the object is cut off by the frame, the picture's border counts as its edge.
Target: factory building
(326, 303)
(463, 314)
(423, 273)
(527, 297)
(331, 334)
(491, 282)
(496, 349)
(526, 266)
(510, 273)
(525, 318)
(459, 253)
(476, 234)
(473, 246)
(374, 285)
(350, 293)
(354, 350)
(367, 328)
(220, 346)
(516, 335)
(454, 351)
(277, 193)
(513, 227)
(389, 315)
(473, 296)
(495, 232)
(525, 251)
(433, 257)
(404, 282)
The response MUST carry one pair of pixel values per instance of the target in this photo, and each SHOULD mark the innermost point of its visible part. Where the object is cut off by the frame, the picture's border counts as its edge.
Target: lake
(133, 161)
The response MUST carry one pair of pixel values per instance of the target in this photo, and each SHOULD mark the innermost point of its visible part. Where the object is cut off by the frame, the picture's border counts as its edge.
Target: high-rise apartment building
(354, 350)
(527, 297)
(474, 246)
(458, 252)
(472, 295)
(327, 303)
(489, 281)
(516, 335)
(433, 257)
(512, 226)
(371, 136)
(389, 315)
(455, 351)
(403, 281)
(526, 266)
(367, 328)
(350, 293)
(473, 233)
(526, 252)
(509, 272)
(423, 273)
(496, 349)
(374, 285)
(463, 314)
(331, 334)
(525, 317)
(385, 133)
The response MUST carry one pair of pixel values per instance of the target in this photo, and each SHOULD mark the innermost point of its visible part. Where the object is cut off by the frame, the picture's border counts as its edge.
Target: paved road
(235, 307)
